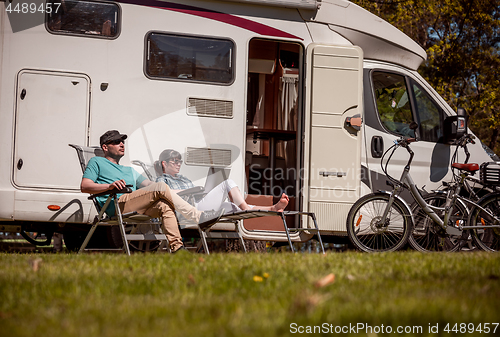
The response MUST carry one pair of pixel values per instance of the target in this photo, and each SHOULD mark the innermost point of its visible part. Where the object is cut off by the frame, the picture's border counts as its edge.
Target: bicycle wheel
(368, 233)
(487, 239)
(428, 236)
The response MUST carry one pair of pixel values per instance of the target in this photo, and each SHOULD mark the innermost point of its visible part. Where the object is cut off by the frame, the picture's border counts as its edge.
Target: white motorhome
(296, 95)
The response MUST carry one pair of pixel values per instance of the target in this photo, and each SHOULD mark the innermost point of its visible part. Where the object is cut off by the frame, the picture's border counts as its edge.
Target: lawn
(253, 294)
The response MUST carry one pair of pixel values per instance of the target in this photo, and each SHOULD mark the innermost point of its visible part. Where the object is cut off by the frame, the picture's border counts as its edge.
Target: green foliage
(241, 294)
(462, 41)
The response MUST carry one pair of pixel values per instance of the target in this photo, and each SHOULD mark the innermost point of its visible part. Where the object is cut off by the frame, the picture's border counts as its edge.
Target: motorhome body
(268, 91)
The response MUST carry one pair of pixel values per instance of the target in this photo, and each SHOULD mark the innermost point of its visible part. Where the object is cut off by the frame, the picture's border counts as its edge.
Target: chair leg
(124, 238)
(87, 239)
(241, 238)
(313, 216)
(287, 232)
(122, 227)
(203, 237)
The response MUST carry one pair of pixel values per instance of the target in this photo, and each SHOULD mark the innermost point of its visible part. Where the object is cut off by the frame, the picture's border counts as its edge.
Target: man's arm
(91, 187)
(145, 183)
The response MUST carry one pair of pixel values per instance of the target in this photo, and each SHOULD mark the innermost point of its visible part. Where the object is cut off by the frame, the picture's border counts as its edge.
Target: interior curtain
(287, 115)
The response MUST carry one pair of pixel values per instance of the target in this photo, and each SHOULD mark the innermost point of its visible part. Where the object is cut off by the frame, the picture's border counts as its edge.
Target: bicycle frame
(407, 179)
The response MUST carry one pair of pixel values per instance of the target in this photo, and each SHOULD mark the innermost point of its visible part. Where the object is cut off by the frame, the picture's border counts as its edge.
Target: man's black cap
(111, 135)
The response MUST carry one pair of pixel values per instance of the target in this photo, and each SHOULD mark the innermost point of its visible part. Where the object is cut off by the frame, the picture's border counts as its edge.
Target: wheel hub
(377, 226)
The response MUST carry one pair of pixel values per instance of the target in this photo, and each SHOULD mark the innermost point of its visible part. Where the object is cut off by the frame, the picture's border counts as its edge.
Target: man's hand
(119, 185)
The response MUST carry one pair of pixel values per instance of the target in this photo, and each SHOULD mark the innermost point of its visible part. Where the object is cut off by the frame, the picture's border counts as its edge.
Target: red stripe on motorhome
(253, 26)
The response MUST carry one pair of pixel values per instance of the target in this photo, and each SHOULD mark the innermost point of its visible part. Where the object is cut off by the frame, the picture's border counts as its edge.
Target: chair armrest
(127, 189)
(191, 191)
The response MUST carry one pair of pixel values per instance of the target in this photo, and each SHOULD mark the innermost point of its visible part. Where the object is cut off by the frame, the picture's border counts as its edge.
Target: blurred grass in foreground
(241, 294)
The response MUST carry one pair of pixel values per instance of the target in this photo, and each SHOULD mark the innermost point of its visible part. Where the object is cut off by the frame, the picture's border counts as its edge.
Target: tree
(462, 41)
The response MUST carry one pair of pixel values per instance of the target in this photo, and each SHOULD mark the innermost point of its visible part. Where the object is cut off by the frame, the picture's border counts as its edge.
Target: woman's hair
(166, 155)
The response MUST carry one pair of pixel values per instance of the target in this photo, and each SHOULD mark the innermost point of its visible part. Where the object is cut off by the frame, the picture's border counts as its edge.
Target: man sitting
(153, 199)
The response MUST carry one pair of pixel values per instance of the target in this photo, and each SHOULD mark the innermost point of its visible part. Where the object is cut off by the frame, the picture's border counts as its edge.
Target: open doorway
(274, 119)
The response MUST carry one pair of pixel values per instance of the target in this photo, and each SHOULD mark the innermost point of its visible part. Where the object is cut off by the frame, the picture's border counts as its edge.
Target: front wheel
(369, 232)
(487, 239)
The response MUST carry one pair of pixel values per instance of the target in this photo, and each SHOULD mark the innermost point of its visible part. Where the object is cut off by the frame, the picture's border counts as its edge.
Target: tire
(73, 240)
(142, 246)
(366, 233)
(115, 237)
(486, 239)
(428, 236)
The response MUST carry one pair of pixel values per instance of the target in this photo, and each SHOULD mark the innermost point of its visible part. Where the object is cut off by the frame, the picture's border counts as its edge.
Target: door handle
(354, 122)
(335, 174)
(377, 146)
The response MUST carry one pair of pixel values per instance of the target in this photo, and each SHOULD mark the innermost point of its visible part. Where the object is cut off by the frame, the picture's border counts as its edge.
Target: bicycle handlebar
(466, 139)
(404, 142)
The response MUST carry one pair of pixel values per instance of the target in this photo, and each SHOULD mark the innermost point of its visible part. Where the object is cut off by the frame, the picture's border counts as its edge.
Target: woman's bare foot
(281, 205)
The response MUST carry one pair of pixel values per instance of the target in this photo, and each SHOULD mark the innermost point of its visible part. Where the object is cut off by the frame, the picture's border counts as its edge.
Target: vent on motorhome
(208, 157)
(210, 108)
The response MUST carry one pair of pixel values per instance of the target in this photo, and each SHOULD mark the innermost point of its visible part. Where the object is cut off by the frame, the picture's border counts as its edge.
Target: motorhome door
(52, 112)
(334, 104)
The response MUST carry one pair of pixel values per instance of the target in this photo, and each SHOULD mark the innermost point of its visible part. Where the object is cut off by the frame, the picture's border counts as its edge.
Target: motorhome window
(430, 116)
(393, 103)
(189, 58)
(87, 18)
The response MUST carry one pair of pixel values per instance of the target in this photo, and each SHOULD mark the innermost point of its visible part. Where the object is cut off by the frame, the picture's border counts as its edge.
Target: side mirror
(455, 126)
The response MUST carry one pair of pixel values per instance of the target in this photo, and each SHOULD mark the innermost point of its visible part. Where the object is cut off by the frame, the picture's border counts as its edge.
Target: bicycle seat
(466, 167)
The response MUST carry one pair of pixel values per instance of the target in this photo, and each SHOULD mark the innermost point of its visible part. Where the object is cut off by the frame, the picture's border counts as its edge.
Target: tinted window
(88, 18)
(393, 103)
(189, 58)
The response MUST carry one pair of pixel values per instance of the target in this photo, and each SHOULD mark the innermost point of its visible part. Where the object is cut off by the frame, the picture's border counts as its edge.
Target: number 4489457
(471, 328)
(26, 7)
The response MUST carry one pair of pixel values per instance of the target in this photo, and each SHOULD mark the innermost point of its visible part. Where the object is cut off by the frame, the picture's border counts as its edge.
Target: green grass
(197, 295)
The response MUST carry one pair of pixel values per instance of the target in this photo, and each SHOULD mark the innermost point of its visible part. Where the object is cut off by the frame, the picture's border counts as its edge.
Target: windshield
(490, 152)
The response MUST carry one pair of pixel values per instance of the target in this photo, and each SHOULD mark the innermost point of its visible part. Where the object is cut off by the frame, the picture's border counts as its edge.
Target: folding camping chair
(222, 230)
(238, 216)
(143, 231)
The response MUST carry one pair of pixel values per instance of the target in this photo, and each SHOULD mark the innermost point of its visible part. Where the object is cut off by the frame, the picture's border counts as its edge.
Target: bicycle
(428, 235)
(382, 221)
(484, 217)
(372, 227)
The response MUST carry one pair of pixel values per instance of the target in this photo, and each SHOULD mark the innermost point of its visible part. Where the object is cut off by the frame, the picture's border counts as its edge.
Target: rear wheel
(487, 239)
(144, 246)
(73, 240)
(369, 233)
(104, 237)
(428, 236)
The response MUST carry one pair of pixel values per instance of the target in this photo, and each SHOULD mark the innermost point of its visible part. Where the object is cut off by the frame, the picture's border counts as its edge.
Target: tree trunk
(494, 138)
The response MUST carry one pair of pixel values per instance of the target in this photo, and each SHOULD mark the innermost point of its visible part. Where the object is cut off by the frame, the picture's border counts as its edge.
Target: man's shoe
(209, 218)
(179, 249)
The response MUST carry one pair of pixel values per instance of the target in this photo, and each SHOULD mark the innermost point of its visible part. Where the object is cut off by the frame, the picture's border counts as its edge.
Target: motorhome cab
(301, 96)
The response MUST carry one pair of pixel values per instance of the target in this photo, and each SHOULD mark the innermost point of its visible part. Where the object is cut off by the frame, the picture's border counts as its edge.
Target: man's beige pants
(157, 201)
